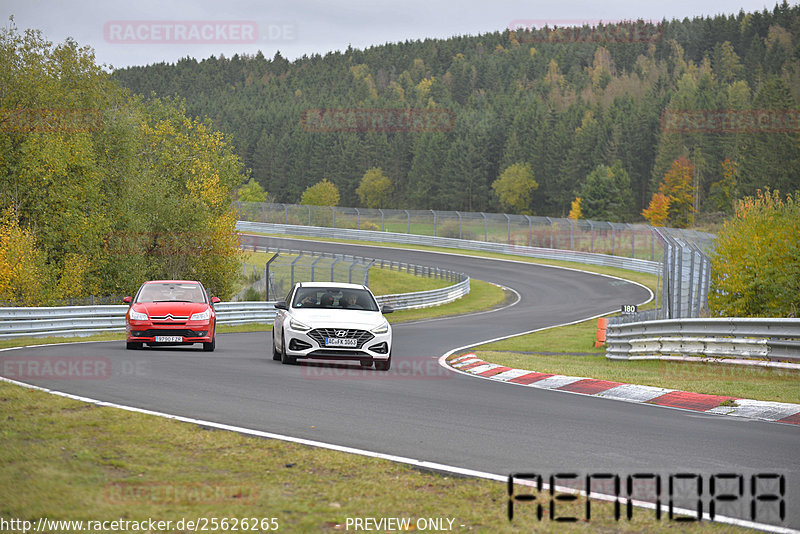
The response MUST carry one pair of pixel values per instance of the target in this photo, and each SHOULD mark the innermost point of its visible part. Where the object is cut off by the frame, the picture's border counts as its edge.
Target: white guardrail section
(88, 320)
(590, 258)
(764, 339)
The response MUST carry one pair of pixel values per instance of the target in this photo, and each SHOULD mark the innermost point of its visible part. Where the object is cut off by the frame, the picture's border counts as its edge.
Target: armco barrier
(88, 320)
(589, 258)
(767, 339)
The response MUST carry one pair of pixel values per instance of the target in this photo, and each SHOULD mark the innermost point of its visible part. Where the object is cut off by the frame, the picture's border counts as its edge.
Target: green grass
(575, 355)
(64, 459)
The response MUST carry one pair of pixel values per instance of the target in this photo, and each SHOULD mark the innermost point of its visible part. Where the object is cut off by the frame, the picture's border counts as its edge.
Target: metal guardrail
(87, 320)
(771, 339)
(589, 258)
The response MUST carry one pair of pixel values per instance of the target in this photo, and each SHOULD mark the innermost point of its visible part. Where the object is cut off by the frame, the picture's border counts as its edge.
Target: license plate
(169, 339)
(340, 342)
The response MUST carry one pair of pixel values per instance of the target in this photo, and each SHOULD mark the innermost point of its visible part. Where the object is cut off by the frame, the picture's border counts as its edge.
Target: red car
(171, 312)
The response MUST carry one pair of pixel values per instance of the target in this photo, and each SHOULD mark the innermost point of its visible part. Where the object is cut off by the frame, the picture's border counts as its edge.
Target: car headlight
(382, 329)
(202, 316)
(294, 324)
(137, 316)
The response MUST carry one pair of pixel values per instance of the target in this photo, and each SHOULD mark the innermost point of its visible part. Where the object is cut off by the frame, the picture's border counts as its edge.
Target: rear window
(334, 299)
(171, 292)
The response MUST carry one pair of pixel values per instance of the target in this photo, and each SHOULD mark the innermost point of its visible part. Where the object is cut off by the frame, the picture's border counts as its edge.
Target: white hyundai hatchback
(332, 321)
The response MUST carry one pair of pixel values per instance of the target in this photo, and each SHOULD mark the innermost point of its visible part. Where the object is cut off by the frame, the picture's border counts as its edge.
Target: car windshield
(171, 292)
(334, 298)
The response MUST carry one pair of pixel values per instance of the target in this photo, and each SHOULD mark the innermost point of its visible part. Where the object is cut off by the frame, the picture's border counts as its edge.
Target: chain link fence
(618, 239)
(284, 267)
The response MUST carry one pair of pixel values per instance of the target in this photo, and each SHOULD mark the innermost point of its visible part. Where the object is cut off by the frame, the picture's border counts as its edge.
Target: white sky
(315, 26)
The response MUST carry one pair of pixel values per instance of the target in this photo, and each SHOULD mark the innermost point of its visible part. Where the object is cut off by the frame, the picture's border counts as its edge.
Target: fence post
(485, 231)
(366, 273)
(383, 225)
(358, 219)
(333, 217)
(408, 218)
(460, 233)
(266, 269)
(434, 223)
(508, 224)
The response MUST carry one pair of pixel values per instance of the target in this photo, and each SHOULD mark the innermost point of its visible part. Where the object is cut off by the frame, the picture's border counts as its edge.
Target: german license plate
(341, 342)
(169, 339)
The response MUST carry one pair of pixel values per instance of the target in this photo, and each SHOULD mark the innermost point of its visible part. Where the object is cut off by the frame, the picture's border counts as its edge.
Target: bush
(451, 229)
(756, 260)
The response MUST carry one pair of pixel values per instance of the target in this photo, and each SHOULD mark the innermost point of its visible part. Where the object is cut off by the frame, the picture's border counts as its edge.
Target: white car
(332, 321)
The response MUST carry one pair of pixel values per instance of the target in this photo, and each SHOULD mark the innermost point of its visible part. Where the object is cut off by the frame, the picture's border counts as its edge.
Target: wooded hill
(564, 105)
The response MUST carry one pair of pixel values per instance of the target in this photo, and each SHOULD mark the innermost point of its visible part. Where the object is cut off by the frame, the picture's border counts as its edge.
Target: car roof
(172, 282)
(332, 285)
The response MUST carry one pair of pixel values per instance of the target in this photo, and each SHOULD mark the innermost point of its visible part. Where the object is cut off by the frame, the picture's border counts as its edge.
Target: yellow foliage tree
(23, 276)
(755, 263)
(575, 209)
(657, 213)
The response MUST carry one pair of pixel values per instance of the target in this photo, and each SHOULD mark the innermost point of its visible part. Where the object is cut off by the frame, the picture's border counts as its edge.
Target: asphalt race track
(420, 410)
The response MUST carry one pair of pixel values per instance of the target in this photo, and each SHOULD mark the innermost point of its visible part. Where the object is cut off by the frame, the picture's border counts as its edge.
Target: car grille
(169, 316)
(153, 332)
(319, 335)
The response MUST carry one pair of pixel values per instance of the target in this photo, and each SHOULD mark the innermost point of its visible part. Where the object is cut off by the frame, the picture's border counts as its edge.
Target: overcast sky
(142, 32)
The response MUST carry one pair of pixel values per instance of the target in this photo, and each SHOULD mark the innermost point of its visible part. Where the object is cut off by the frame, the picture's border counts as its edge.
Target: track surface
(427, 413)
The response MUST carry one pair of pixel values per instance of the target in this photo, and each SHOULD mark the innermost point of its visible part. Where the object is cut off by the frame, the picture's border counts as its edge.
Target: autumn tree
(515, 186)
(657, 212)
(23, 273)
(755, 262)
(322, 193)
(575, 209)
(677, 186)
(375, 188)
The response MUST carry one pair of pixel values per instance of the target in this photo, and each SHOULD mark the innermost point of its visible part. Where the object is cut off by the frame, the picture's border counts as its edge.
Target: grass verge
(67, 460)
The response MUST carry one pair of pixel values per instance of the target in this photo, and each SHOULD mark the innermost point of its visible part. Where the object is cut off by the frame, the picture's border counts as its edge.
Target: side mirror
(281, 305)
(127, 300)
(215, 300)
(386, 309)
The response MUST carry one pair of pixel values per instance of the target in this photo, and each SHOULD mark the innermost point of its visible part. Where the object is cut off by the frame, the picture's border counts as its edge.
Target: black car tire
(276, 355)
(384, 365)
(285, 358)
(366, 364)
(209, 347)
(133, 345)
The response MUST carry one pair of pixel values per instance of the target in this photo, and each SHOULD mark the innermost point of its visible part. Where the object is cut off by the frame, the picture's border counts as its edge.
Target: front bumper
(190, 332)
(311, 344)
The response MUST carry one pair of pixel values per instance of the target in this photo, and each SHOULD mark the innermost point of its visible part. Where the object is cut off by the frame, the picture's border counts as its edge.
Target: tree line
(101, 190)
(601, 123)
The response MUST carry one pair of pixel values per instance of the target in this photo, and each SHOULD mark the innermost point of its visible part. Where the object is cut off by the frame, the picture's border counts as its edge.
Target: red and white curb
(780, 412)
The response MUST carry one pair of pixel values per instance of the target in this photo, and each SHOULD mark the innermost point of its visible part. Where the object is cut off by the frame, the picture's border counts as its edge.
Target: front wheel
(209, 347)
(285, 358)
(133, 345)
(276, 355)
(383, 365)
